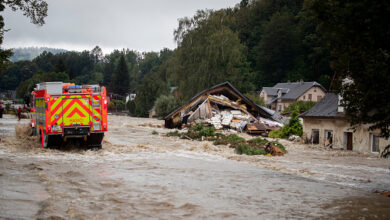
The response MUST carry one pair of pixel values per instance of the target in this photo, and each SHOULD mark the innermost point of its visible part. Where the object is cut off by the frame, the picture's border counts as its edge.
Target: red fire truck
(65, 112)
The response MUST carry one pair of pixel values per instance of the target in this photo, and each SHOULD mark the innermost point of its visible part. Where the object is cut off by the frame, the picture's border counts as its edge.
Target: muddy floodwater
(138, 175)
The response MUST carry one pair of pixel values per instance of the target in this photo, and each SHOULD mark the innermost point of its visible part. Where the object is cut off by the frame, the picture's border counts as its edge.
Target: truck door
(76, 111)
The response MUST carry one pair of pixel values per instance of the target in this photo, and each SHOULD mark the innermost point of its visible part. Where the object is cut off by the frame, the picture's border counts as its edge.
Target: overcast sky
(143, 25)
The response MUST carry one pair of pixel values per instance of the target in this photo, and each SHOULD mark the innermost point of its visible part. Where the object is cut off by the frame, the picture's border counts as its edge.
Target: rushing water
(138, 175)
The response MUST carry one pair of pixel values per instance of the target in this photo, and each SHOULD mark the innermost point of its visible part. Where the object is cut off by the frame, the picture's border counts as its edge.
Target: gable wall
(315, 91)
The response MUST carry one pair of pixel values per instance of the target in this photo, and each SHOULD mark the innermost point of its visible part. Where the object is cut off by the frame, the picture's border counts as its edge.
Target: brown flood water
(138, 175)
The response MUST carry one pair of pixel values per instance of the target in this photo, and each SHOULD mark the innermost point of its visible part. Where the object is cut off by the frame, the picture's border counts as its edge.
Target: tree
(357, 33)
(208, 52)
(60, 66)
(36, 10)
(121, 78)
(147, 92)
(97, 54)
(165, 104)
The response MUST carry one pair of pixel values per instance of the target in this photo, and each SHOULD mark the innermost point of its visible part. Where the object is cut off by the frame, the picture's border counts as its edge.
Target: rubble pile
(225, 108)
(223, 114)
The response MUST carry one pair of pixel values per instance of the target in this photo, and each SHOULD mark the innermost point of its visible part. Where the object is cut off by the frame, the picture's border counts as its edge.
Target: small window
(310, 97)
(304, 97)
(374, 143)
(315, 90)
(315, 136)
(280, 107)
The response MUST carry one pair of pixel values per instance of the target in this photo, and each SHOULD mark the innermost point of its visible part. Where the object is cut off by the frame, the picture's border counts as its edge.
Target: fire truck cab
(65, 112)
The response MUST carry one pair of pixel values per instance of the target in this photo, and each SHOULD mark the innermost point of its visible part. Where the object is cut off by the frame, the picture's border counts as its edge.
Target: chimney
(340, 109)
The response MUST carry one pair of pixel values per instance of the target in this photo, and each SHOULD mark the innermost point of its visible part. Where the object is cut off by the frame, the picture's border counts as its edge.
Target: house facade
(282, 95)
(325, 124)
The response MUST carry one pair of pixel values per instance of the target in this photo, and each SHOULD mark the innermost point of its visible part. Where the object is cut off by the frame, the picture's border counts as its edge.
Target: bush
(116, 105)
(302, 106)
(248, 150)
(154, 132)
(165, 104)
(175, 133)
(294, 127)
(200, 130)
(258, 141)
(233, 139)
(276, 134)
(130, 105)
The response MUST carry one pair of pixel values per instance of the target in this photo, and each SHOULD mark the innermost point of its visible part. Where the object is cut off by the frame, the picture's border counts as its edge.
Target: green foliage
(232, 140)
(258, 141)
(357, 33)
(276, 134)
(301, 106)
(26, 87)
(200, 130)
(248, 150)
(147, 92)
(130, 105)
(116, 105)
(121, 79)
(154, 132)
(175, 133)
(209, 52)
(255, 98)
(35, 10)
(294, 127)
(165, 104)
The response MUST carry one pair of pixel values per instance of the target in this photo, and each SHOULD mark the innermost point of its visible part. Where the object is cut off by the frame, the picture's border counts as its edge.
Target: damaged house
(224, 107)
(327, 125)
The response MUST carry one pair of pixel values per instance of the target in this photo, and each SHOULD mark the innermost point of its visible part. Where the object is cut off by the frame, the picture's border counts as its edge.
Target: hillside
(29, 53)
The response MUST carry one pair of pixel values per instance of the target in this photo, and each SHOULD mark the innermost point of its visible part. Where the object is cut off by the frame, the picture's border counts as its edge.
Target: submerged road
(139, 175)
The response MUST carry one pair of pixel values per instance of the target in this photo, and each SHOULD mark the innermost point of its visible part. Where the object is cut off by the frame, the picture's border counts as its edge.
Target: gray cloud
(81, 24)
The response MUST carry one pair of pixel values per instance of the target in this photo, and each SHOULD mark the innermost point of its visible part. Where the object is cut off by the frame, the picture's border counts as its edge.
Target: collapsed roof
(224, 95)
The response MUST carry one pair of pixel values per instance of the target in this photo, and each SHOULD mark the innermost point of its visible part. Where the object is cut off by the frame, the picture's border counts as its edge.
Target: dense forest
(257, 43)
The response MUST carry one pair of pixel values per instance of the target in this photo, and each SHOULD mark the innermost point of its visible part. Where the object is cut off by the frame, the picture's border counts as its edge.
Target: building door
(315, 136)
(349, 140)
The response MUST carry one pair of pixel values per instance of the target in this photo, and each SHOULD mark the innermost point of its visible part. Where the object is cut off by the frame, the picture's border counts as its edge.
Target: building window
(315, 90)
(315, 136)
(310, 97)
(304, 97)
(328, 142)
(374, 139)
(279, 107)
(319, 98)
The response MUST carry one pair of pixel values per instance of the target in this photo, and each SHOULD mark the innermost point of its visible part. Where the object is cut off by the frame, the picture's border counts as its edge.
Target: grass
(154, 132)
(175, 133)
